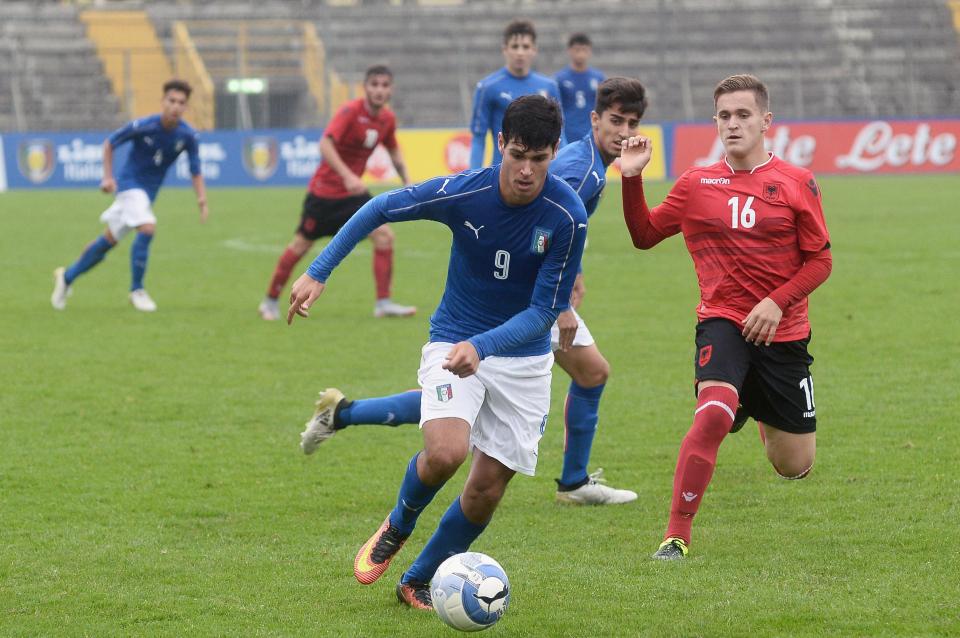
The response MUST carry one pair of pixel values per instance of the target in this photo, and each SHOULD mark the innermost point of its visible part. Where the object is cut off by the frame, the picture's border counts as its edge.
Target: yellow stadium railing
(190, 67)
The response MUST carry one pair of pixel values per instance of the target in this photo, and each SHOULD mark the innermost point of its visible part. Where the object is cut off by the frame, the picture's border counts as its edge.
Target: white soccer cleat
(387, 308)
(594, 492)
(269, 309)
(60, 290)
(142, 301)
(320, 426)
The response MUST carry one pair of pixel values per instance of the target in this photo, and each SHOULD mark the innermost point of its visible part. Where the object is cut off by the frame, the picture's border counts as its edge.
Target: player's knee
(147, 229)
(594, 374)
(479, 502)
(382, 237)
(443, 462)
(793, 469)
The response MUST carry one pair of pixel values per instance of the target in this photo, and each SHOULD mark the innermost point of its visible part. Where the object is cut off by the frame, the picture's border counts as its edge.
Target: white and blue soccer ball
(470, 591)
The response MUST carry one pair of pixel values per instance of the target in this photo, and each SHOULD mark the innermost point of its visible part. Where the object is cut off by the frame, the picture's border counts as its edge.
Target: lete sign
(880, 146)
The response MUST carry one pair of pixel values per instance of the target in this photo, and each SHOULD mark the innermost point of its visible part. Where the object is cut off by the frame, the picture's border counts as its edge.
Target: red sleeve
(637, 215)
(812, 235)
(339, 123)
(812, 273)
(390, 139)
(668, 216)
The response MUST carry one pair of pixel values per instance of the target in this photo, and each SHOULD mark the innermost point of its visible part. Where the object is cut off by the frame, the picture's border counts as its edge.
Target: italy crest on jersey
(541, 241)
(444, 392)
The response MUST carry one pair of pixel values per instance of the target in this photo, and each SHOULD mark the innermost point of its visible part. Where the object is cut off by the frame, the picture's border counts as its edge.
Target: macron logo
(689, 496)
(713, 181)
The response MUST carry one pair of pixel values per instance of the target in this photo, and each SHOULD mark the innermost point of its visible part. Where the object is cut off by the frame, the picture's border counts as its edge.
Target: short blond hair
(744, 82)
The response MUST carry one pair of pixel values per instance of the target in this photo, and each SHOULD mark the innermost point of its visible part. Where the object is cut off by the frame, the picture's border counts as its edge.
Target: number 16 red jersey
(746, 232)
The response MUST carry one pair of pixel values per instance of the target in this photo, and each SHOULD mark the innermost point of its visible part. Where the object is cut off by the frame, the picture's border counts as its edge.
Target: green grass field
(151, 483)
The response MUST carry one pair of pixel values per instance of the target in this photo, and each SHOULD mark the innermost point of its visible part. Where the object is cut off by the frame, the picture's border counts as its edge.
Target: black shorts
(774, 381)
(324, 217)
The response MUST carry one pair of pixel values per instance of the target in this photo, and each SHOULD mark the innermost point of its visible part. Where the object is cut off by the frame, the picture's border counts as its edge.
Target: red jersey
(746, 232)
(355, 133)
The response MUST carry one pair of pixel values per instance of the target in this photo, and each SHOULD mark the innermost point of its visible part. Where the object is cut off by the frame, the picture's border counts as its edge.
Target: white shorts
(506, 402)
(130, 209)
(581, 339)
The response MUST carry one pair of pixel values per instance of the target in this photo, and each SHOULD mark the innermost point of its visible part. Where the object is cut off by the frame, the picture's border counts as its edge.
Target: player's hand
(305, 291)
(761, 324)
(579, 290)
(567, 323)
(108, 185)
(635, 154)
(204, 211)
(462, 360)
(354, 185)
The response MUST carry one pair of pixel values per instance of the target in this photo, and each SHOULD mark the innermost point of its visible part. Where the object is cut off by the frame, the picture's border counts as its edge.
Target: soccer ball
(470, 591)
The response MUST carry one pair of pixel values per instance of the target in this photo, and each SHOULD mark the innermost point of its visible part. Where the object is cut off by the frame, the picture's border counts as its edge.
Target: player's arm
(479, 125)
(196, 177)
(331, 157)
(555, 93)
(108, 184)
(760, 325)
(398, 164)
(635, 154)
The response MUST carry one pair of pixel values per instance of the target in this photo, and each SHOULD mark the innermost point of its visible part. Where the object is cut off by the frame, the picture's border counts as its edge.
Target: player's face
(579, 55)
(741, 124)
(523, 171)
(519, 52)
(611, 128)
(172, 106)
(378, 88)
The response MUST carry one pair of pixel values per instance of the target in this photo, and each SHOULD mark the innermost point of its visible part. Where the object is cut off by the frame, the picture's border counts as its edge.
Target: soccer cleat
(415, 594)
(594, 492)
(269, 309)
(60, 290)
(375, 555)
(739, 419)
(142, 301)
(320, 426)
(671, 549)
(387, 308)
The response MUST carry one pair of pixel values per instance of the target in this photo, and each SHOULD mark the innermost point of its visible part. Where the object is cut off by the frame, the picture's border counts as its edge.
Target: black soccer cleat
(739, 419)
(671, 549)
(415, 594)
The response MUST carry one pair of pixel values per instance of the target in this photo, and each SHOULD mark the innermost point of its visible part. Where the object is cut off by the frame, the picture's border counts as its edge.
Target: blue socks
(393, 410)
(139, 252)
(455, 534)
(413, 497)
(92, 255)
(583, 405)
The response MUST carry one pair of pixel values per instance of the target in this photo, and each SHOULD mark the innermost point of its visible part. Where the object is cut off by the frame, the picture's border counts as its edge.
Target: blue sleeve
(405, 204)
(479, 125)
(551, 293)
(124, 134)
(193, 154)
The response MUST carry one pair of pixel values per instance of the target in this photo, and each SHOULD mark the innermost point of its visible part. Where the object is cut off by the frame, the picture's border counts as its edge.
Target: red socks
(281, 273)
(716, 407)
(383, 271)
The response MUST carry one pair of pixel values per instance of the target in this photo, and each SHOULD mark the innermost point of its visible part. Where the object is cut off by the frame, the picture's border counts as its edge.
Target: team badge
(35, 160)
(260, 156)
(812, 185)
(444, 392)
(541, 241)
(771, 191)
(704, 357)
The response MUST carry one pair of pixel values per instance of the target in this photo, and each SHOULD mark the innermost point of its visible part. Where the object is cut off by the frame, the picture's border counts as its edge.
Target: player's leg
(448, 410)
(334, 412)
(139, 254)
(461, 524)
(318, 218)
(792, 455)
(382, 240)
(721, 363)
(92, 255)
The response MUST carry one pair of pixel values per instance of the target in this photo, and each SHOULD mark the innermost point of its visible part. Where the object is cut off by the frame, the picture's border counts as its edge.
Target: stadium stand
(826, 58)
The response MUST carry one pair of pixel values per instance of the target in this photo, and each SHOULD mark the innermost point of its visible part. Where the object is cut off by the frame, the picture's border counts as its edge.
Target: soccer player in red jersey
(754, 227)
(336, 191)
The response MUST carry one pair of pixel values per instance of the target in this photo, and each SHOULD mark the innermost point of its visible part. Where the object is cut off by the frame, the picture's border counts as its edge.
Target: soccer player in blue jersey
(578, 84)
(518, 235)
(501, 87)
(157, 142)
(620, 104)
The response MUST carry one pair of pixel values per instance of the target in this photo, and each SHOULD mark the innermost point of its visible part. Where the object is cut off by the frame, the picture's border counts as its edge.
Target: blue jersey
(511, 268)
(578, 95)
(155, 148)
(581, 165)
(494, 93)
